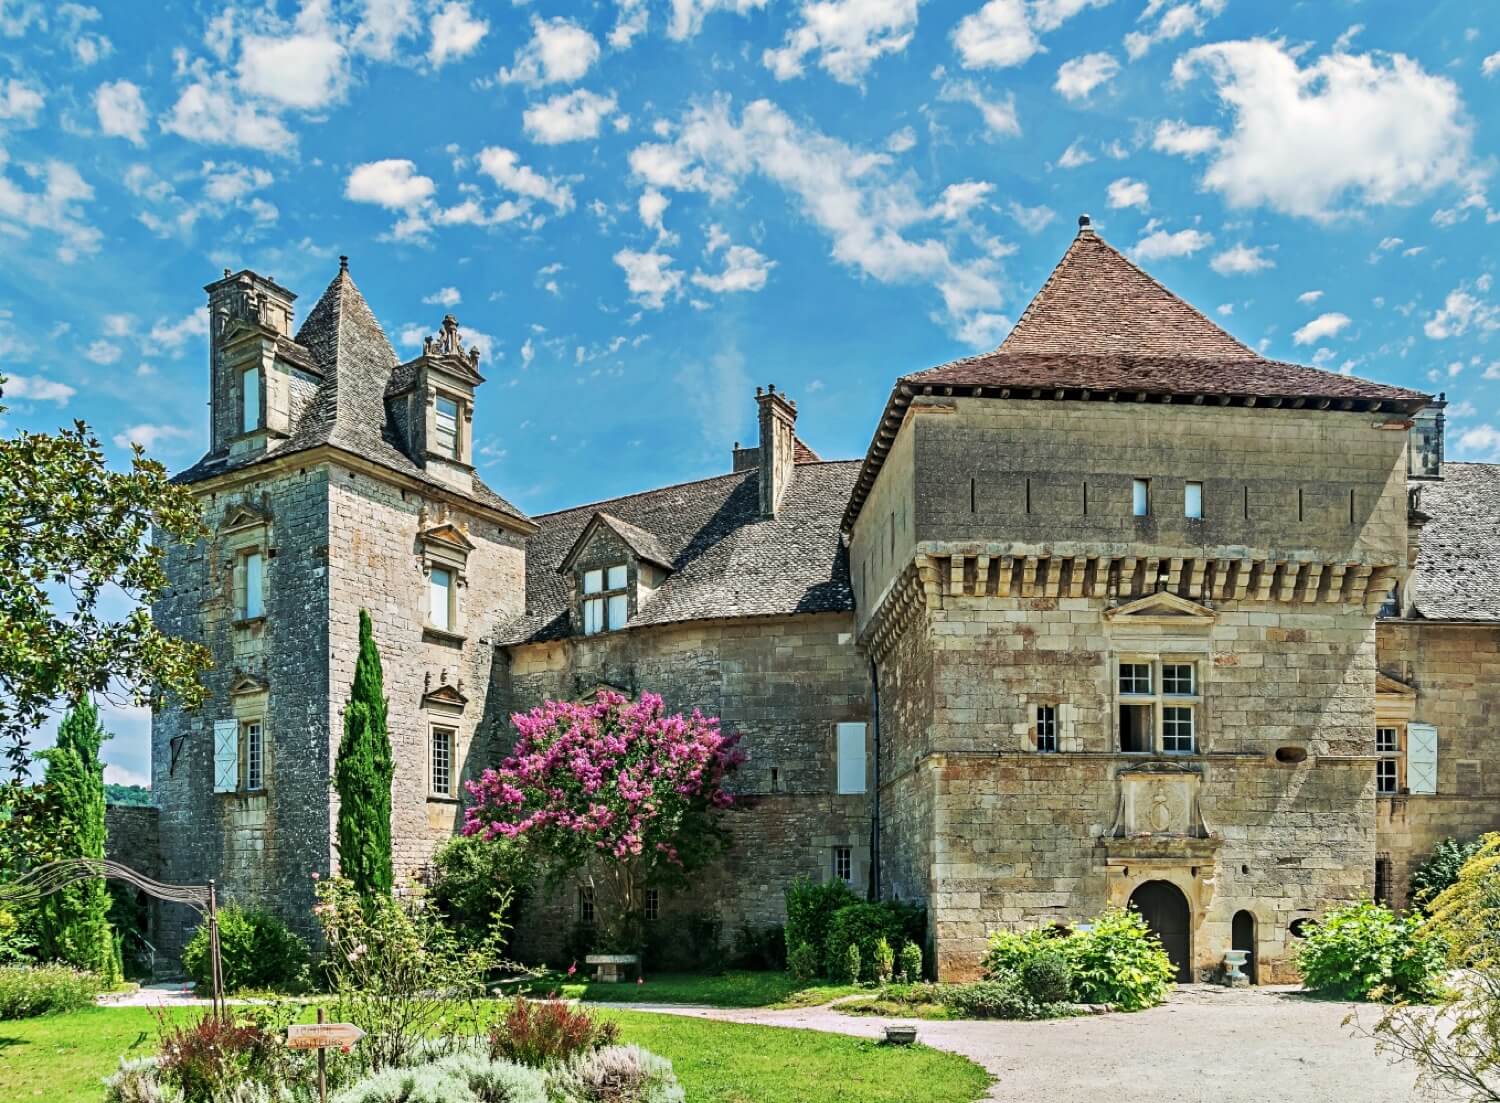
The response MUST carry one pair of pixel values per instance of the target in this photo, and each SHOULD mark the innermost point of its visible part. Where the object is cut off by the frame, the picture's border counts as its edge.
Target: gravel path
(1205, 1044)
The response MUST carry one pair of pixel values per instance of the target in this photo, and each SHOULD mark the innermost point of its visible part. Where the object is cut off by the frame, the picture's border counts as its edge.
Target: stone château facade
(1094, 621)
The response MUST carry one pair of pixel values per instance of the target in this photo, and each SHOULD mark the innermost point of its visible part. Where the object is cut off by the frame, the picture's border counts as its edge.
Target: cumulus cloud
(958, 200)
(456, 33)
(868, 214)
(20, 103)
(444, 296)
(688, 15)
(1159, 244)
(122, 111)
(1460, 312)
(568, 117)
(1241, 260)
(1176, 136)
(1074, 156)
(1126, 192)
(174, 336)
(845, 36)
(1490, 65)
(1000, 118)
(393, 183)
(210, 111)
(1482, 441)
(1077, 78)
(1344, 129)
(305, 70)
(56, 206)
(649, 276)
(745, 269)
(1321, 328)
(1307, 298)
(631, 19)
(36, 389)
(1031, 219)
(997, 36)
(102, 352)
(383, 24)
(560, 52)
(1174, 22)
(505, 168)
(150, 436)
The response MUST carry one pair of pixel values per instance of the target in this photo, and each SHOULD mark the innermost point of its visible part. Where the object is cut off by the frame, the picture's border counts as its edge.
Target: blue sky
(641, 210)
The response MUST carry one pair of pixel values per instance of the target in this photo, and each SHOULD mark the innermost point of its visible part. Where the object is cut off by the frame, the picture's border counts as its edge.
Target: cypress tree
(72, 924)
(362, 775)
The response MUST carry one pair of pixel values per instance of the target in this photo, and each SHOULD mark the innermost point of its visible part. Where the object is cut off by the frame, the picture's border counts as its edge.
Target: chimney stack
(778, 450)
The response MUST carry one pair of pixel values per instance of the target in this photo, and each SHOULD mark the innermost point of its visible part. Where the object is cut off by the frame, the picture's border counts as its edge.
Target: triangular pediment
(1161, 608)
(448, 534)
(248, 683)
(445, 695)
(243, 517)
(640, 543)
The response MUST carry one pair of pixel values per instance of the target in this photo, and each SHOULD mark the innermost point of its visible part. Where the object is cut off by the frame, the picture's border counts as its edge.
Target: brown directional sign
(322, 1035)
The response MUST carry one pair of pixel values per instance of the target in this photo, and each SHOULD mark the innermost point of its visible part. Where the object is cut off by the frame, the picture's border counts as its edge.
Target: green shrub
(1048, 977)
(617, 1074)
(1365, 951)
(849, 965)
(478, 885)
(863, 926)
(138, 1081)
(495, 1081)
(1119, 961)
(424, 1084)
(1009, 951)
(802, 962)
(257, 950)
(910, 959)
(28, 990)
(990, 999)
(759, 948)
(1439, 870)
(810, 908)
(885, 961)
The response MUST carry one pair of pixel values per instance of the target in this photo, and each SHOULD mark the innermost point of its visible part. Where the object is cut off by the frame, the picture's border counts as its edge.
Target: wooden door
(1166, 912)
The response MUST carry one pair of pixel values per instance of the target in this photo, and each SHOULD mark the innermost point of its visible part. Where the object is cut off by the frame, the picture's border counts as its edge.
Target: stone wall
(782, 684)
(132, 836)
(1455, 669)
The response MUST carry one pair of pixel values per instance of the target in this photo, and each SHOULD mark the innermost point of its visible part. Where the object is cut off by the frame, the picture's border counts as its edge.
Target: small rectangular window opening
(440, 598)
(1383, 879)
(1085, 499)
(254, 586)
(1247, 503)
(254, 757)
(442, 761)
(973, 495)
(1046, 728)
(1135, 728)
(250, 395)
(586, 905)
(1192, 501)
(843, 864)
(1140, 497)
(653, 905)
(445, 426)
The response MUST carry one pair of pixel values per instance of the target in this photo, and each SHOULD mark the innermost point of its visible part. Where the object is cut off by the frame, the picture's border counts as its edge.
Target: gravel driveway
(1206, 1043)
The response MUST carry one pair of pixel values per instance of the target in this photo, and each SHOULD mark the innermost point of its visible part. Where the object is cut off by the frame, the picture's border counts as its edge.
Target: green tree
(72, 924)
(72, 531)
(363, 775)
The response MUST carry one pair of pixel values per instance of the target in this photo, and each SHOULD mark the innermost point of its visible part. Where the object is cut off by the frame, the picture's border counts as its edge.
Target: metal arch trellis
(44, 880)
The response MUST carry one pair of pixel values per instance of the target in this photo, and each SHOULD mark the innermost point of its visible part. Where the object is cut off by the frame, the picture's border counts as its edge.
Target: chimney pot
(343, 263)
(1084, 222)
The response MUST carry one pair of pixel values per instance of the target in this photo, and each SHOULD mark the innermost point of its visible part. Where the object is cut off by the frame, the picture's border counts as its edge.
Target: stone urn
(900, 1035)
(1234, 964)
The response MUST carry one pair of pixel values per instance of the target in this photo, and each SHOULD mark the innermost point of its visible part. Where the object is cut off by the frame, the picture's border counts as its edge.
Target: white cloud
(528, 352)
(649, 276)
(1364, 129)
(1307, 298)
(393, 183)
(122, 111)
(505, 168)
(958, 200)
(174, 336)
(1031, 219)
(1482, 441)
(1074, 156)
(230, 182)
(456, 33)
(997, 36)
(1240, 260)
(385, 23)
(560, 51)
(118, 325)
(1490, 65)
(999, 116)
(745, 269)
(1159, 244)
(444, 296)
(847, 36)
(1077, 78)
(1321, 328)
(866, 212)
(651, 206)
(1176, 136)
(57, 207)
(1460, 312)
(902, 140)
(688, 15)
(1126, 192)
(211, 112)
(35, 388)
(631, 21)
(1175, 21)
(306, 70)
(568, 117)
(102, 352)
(20, 103)
(149, 436)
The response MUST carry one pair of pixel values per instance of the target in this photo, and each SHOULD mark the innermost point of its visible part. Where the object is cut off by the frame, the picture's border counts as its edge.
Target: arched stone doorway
(1244, 939)
(1166, 912)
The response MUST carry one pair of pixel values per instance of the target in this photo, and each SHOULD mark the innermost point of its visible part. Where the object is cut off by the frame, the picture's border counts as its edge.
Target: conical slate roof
(345, 341)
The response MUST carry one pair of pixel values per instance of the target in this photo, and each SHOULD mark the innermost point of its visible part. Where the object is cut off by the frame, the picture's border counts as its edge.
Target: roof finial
(343, 264)
(1085, 225)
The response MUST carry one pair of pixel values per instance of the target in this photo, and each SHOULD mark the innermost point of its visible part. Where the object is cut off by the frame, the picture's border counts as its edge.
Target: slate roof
(344, 342)
(1458, 563)
(645, 545)
(726, 560)
(1101, 328)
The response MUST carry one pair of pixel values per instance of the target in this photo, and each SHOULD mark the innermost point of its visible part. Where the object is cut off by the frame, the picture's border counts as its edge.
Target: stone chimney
(778, 447)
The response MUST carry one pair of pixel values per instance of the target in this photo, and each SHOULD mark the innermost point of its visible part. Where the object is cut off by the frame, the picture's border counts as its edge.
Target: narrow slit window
(653, 905)
(586, 905)
(1140, 497)
(440, 598)
(1192, 501)
(255, 753)
(253, 604)
(1028, 495)
(1299, 503)
(1085, 499)
(1351, 505)
(250, 397)
(1247, 503)
(973, 495)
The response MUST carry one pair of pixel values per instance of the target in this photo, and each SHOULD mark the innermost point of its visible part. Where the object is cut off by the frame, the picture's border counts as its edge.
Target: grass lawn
(60, 1058)
(732, 989)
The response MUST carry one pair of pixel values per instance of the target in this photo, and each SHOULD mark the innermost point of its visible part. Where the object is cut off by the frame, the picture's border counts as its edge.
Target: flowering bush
(537, 1033)
(207, 1059)
(618, 789)
(1365, 951)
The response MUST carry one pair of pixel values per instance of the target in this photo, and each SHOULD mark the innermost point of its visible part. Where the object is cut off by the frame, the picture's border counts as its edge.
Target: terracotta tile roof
(347, 347)
(1102, 329)
(801, 453)
(1457, 576)
(726, 560)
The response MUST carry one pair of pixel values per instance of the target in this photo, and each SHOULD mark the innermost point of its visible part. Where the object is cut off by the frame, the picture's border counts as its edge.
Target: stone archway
(1167, 913)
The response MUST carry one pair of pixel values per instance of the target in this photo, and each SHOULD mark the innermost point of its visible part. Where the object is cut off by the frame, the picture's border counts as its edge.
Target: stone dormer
(613, 570)
(261, 379)
(432, 399)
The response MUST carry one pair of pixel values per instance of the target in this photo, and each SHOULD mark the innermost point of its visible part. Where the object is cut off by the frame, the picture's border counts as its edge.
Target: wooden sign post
(320, 1036)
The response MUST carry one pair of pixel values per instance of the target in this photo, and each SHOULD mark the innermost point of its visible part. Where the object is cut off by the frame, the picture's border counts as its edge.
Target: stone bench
(608, 968)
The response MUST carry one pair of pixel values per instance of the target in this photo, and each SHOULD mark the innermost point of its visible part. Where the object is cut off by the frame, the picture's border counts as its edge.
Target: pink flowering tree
(617, 790)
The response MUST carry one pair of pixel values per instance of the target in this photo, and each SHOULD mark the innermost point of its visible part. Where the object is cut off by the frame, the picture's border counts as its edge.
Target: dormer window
(605, 603)
(250, 400)
(445, 427)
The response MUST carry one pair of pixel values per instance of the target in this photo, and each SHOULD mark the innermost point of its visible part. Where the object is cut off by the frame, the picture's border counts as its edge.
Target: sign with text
(322, 1035)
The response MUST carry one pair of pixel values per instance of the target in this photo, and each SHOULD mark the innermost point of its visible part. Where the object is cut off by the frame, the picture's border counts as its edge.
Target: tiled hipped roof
(1101, 329)
(726, 560)
(345, 342)
(1458, 565)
